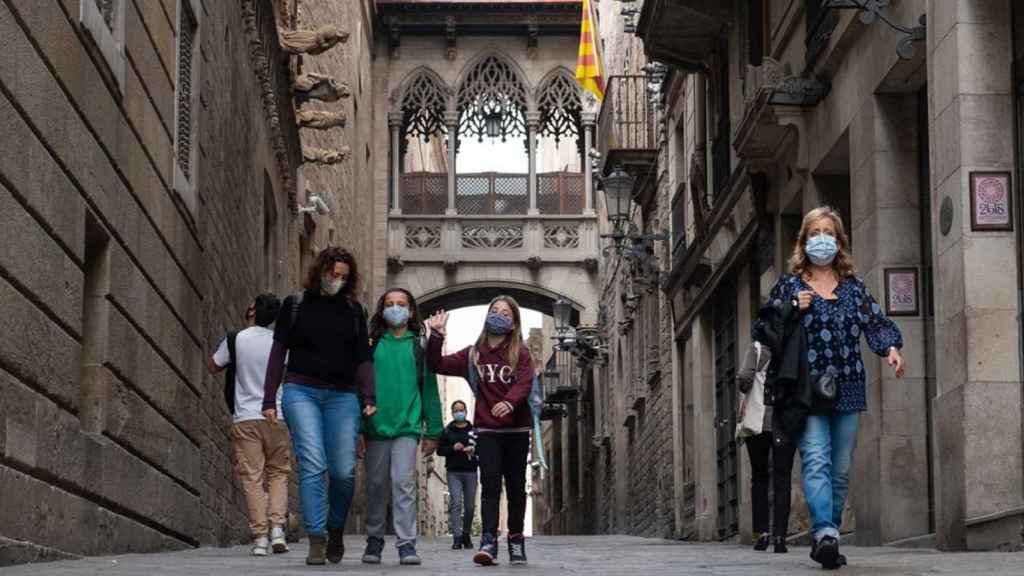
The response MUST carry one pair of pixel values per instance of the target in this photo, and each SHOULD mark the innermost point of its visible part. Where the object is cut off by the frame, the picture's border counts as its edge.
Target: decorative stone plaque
(990, 201)
(901, 292)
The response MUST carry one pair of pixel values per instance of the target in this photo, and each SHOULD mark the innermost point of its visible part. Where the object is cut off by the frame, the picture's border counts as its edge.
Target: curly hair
(378, 326)
(843, 264)
(325, 262)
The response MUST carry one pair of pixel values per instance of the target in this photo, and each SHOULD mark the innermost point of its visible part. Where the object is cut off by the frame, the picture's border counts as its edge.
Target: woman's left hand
(370, 410)
(429, 446)
(895, 359)
(501, 409)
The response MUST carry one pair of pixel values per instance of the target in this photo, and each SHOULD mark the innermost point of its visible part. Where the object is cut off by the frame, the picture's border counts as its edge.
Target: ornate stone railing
(492, 193)
(512, 239)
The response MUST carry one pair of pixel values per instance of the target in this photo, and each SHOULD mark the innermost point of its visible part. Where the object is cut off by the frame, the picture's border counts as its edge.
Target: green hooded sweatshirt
(401, 409)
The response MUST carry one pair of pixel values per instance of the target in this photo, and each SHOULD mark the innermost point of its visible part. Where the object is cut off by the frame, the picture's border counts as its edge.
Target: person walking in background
(408, 420)
(500, 371)
(329, 384)
(771, 463)
(260, 445)
(458, 446)
(834, 308)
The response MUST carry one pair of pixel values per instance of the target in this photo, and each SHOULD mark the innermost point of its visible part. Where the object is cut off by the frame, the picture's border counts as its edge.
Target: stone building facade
(151, 185)
(791, 105)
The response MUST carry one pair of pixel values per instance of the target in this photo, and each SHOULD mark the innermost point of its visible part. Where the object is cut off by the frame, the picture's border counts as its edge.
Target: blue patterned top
(833, 329)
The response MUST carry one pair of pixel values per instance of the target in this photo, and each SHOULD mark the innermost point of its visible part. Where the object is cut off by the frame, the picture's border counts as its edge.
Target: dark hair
(325, 262)
(266, 308)
(457, 402)
(377, 324)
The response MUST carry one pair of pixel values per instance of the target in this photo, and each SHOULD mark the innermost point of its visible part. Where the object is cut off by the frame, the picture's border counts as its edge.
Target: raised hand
(438, 321)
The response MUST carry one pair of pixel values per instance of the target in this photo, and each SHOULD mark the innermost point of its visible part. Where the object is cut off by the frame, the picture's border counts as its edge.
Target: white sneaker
(260, 545)
(277, 540)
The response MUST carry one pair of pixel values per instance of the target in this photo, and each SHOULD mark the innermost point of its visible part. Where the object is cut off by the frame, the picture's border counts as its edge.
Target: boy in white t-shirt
(262, 448)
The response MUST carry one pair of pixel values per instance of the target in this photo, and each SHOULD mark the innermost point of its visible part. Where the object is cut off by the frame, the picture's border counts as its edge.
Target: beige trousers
(263, 453)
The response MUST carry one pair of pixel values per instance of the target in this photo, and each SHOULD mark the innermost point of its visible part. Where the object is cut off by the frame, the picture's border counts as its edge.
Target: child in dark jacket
(505, 372)
(458, 446)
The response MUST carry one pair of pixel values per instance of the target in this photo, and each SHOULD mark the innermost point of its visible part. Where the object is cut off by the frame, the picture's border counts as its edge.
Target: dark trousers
(503, 456)
(770, 467)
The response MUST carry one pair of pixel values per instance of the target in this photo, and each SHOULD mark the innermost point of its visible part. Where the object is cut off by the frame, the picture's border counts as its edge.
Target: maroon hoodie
(498, 382)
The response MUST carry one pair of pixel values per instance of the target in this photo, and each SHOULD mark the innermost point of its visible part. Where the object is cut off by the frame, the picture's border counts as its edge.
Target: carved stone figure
(311, 41)
(319, 87)
(321, 119)
(326, 156)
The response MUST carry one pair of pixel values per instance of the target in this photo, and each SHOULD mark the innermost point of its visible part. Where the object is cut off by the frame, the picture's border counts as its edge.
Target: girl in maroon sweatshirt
(505, 373)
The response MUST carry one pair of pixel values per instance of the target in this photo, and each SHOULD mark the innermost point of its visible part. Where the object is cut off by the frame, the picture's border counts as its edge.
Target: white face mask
(331, 285)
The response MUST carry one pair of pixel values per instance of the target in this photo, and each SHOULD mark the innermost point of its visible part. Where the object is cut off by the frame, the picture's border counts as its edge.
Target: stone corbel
(321, 119)
(534, 263)
(394, 42)
(395, 264)
(450, 266)
(532, 34)
(312, 42)
(326, 156)
(319, 87)
(450, 44)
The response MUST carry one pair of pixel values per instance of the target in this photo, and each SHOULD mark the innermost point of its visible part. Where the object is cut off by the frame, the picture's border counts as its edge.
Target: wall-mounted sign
(902, 297)
(990, 201)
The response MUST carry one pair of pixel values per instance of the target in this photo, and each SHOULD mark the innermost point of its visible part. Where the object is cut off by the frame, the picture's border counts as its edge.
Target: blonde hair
(843, 264)
(515, 337)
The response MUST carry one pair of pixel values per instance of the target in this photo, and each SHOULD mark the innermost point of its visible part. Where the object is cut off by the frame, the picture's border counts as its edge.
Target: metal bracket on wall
(873, 10)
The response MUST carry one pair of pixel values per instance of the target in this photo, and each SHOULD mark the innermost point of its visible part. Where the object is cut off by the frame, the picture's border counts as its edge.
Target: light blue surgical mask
(498, 324)
(460, 416)
(822, 249)
(396, 316)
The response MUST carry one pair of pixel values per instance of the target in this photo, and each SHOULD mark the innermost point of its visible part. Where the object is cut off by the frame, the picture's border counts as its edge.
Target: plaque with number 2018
(991, 206)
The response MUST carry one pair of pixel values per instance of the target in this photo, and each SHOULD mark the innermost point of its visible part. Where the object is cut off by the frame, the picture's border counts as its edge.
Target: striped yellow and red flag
(588, 64)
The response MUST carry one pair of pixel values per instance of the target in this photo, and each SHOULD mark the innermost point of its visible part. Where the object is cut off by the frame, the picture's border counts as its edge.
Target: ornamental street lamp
(564, 332)
(618, 195)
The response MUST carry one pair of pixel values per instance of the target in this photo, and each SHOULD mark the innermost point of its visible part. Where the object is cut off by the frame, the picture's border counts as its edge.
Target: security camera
(317, 205)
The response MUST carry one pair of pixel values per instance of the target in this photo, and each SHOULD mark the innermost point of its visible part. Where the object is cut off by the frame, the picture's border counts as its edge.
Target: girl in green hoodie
(407, 421)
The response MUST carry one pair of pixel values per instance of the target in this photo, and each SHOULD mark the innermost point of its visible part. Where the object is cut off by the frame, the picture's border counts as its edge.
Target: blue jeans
(324, 425)
(825, 450)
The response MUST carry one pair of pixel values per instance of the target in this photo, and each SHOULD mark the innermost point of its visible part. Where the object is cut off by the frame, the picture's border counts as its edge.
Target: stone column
(532, 124)
(889, 476)
(977, 411)
(589, 119)
(451, 121)
(395, 124)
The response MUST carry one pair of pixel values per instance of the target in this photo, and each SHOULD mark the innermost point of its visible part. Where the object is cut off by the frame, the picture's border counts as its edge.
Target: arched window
(423, 106)
(492, 93)
(559, 106)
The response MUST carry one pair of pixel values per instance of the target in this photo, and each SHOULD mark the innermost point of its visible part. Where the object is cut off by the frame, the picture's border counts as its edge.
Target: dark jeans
(503, 455)
(777, 472)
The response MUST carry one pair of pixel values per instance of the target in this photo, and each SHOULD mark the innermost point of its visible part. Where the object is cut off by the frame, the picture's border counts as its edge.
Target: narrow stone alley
(590, 555)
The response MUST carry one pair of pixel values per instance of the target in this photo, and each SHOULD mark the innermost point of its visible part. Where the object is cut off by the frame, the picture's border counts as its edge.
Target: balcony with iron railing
(626, 133)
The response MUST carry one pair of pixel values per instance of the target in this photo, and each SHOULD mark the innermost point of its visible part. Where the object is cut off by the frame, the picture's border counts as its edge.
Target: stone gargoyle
(311, 41)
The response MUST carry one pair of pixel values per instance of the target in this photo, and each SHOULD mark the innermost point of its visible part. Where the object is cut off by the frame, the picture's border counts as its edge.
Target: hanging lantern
(492, 123)
(618, 190)
(562, 311)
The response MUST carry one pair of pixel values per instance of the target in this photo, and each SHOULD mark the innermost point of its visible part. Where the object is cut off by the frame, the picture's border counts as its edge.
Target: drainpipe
(1018, 83)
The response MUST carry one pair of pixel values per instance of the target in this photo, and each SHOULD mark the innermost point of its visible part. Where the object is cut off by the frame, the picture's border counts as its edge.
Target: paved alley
(590, 555)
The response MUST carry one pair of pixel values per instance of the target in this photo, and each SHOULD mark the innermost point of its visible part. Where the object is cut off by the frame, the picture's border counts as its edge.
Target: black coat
(456, 460)
(788, 381)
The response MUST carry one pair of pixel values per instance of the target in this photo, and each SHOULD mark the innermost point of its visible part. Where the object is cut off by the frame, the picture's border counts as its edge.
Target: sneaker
(277, 540)
(317, 551)
(516, 549)
(335, 545)
(407, 555)
(780, 545)
(488, 552)
(826, 553)
(762, 542)
(467, 542)
(260, 545)
(374, 548)
(457, 543)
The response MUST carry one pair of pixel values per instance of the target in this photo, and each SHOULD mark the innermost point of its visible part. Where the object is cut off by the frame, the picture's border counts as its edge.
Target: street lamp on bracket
(583, 342)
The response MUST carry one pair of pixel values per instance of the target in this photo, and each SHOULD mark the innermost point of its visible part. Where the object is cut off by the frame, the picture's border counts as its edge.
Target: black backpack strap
(229, 372)
(421, 368)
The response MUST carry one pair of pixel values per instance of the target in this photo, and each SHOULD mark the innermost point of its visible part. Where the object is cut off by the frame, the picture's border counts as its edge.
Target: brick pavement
(593, 555)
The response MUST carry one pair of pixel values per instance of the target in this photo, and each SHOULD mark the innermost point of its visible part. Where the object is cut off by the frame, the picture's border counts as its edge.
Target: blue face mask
(822, 249)
(459, 416)
(497, 324)
(396, 316)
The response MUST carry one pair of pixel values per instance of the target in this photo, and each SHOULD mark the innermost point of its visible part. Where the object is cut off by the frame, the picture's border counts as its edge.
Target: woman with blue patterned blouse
(837, 309)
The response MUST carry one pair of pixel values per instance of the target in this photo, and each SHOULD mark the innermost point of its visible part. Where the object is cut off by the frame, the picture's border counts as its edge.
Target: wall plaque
(902, 297)
(991, 201)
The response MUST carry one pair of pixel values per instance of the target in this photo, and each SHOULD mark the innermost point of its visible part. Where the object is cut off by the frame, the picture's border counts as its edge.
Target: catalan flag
(588, 64)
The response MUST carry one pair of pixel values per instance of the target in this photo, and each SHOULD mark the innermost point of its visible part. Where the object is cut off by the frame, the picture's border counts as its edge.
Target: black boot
(762, 542)
(467, 542)
(826, 553)
(457, 543)
(780, 545)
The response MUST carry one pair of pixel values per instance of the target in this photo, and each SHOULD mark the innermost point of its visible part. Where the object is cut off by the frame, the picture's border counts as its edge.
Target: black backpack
(229, 373)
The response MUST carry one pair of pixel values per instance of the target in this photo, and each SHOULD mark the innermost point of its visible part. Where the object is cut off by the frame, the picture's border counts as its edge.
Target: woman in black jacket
(458, 446)
(328, 387)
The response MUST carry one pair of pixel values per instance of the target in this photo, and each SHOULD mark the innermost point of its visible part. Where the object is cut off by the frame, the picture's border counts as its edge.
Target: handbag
(751, 420)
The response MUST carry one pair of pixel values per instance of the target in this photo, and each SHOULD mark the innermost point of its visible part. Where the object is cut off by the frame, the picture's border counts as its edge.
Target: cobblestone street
(596, 555)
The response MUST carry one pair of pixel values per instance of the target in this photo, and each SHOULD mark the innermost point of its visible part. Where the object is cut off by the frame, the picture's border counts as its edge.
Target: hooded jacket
(456, 460)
